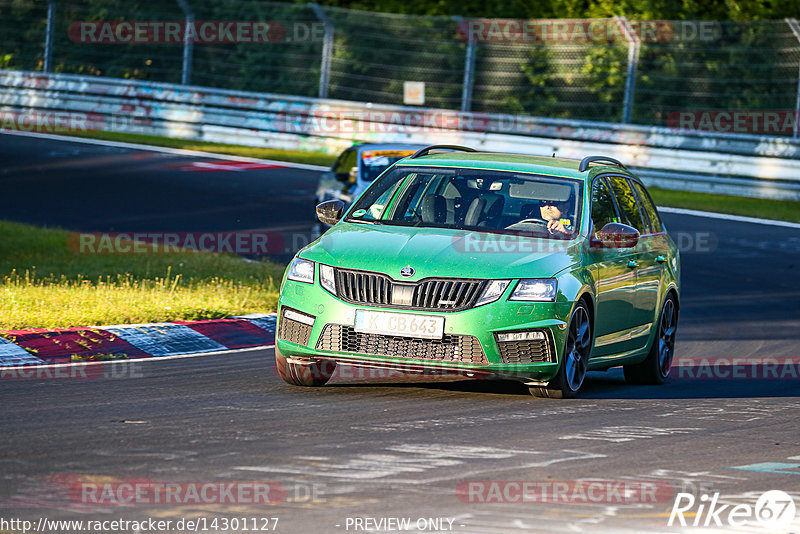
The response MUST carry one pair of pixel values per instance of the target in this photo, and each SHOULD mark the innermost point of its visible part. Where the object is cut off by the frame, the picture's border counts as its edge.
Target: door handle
(661, 259)
(633, 264)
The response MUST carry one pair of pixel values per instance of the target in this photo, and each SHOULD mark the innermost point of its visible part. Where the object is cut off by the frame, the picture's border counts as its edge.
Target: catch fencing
(607, 70)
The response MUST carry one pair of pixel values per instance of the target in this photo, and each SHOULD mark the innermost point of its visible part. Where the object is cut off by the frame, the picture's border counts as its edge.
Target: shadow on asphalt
(610, 385)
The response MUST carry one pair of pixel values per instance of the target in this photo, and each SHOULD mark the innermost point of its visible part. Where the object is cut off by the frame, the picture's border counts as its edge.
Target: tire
(311, 375)
(655, 368)
(575, 362)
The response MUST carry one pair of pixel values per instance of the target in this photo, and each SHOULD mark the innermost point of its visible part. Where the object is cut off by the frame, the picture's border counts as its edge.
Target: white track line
(727, 217)
(167, 150)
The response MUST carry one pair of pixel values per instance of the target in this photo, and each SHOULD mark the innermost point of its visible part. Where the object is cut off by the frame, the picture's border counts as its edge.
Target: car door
(653, 252)
(643, 260)
(615, 280)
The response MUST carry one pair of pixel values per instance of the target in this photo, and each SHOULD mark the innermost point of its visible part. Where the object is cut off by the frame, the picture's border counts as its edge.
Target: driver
(556, 214)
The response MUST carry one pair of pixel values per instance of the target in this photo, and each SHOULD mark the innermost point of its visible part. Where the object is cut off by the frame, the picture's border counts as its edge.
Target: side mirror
(616, 235)
(330, 211)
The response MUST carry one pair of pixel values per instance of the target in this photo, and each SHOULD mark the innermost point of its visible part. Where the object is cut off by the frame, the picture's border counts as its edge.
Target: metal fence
(641, 72)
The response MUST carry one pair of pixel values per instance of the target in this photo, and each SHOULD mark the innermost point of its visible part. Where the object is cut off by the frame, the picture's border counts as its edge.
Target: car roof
(549, 166)
(361, 147)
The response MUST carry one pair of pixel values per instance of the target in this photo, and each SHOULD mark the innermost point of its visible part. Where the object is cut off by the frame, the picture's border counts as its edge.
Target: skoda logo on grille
(407, 271)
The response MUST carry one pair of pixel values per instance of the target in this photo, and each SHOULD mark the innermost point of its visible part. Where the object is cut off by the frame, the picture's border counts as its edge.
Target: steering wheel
(540, 222)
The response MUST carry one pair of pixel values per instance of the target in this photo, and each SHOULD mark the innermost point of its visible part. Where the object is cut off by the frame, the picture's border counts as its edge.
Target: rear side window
(603, 211)
(629, 210)
(649, 208)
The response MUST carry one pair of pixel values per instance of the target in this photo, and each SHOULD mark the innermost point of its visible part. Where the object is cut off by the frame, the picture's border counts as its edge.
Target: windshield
(473, 199)
(374, 162)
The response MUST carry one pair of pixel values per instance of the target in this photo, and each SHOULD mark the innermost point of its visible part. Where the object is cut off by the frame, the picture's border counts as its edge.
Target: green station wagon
(486, 265)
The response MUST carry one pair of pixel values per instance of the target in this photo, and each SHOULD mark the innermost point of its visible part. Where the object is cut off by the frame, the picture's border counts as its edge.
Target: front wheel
(575, 361)
(655, 368)
(313, 374)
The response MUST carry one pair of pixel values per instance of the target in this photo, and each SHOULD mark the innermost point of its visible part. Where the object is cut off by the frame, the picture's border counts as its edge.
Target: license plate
(399, 324)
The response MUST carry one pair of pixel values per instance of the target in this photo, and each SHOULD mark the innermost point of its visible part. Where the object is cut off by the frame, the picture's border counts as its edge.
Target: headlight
(301, 271)
(535, 290)
(326, 278)
(494, 290)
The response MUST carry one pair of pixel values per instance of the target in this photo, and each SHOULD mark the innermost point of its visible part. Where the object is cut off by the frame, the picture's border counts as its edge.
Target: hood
(440, 252)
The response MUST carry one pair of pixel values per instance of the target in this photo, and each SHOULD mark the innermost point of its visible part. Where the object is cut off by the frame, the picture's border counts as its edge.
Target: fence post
(469, 76)
(633, 60)
(188, 44)
(50, 33)
(469, 70)
(796, 30)
(327, 50)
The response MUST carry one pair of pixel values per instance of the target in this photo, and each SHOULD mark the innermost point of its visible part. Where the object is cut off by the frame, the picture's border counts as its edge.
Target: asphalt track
(389, 447)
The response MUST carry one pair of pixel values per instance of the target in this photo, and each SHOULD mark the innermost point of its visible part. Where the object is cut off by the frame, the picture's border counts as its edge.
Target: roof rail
(591, 159)
(424, 151)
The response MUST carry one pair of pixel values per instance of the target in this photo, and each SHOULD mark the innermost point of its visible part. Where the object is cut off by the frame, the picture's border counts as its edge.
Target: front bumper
(469, 346)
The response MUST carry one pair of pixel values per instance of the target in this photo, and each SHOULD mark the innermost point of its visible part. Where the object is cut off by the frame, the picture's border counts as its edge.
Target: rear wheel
(313, 374)
(655, 368)
(575, 362)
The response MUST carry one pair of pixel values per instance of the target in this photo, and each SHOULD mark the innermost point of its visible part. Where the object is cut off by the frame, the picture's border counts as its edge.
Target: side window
(378, 206)
(603, 211)
(373, 202)
(425, 186)
(649, 208)
(346, 161)
(629, 210)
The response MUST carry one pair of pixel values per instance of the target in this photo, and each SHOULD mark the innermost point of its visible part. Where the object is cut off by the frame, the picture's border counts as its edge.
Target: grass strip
(278, 154)
(45, 285)
(761, 208)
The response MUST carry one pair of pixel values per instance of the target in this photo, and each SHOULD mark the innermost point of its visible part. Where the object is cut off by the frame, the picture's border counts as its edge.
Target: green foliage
(650, 9)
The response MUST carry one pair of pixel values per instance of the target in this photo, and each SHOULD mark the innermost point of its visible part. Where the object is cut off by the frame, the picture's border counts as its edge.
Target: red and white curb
(64, 345)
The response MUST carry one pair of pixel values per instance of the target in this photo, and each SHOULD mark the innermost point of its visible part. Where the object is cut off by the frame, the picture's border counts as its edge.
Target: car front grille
(364, 287)
(378, 289)
(446, 294)
(528, 351)
(294, 331)
(451, 348)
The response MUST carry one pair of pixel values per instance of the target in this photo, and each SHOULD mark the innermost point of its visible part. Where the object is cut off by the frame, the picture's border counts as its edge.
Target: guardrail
(740, 164)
